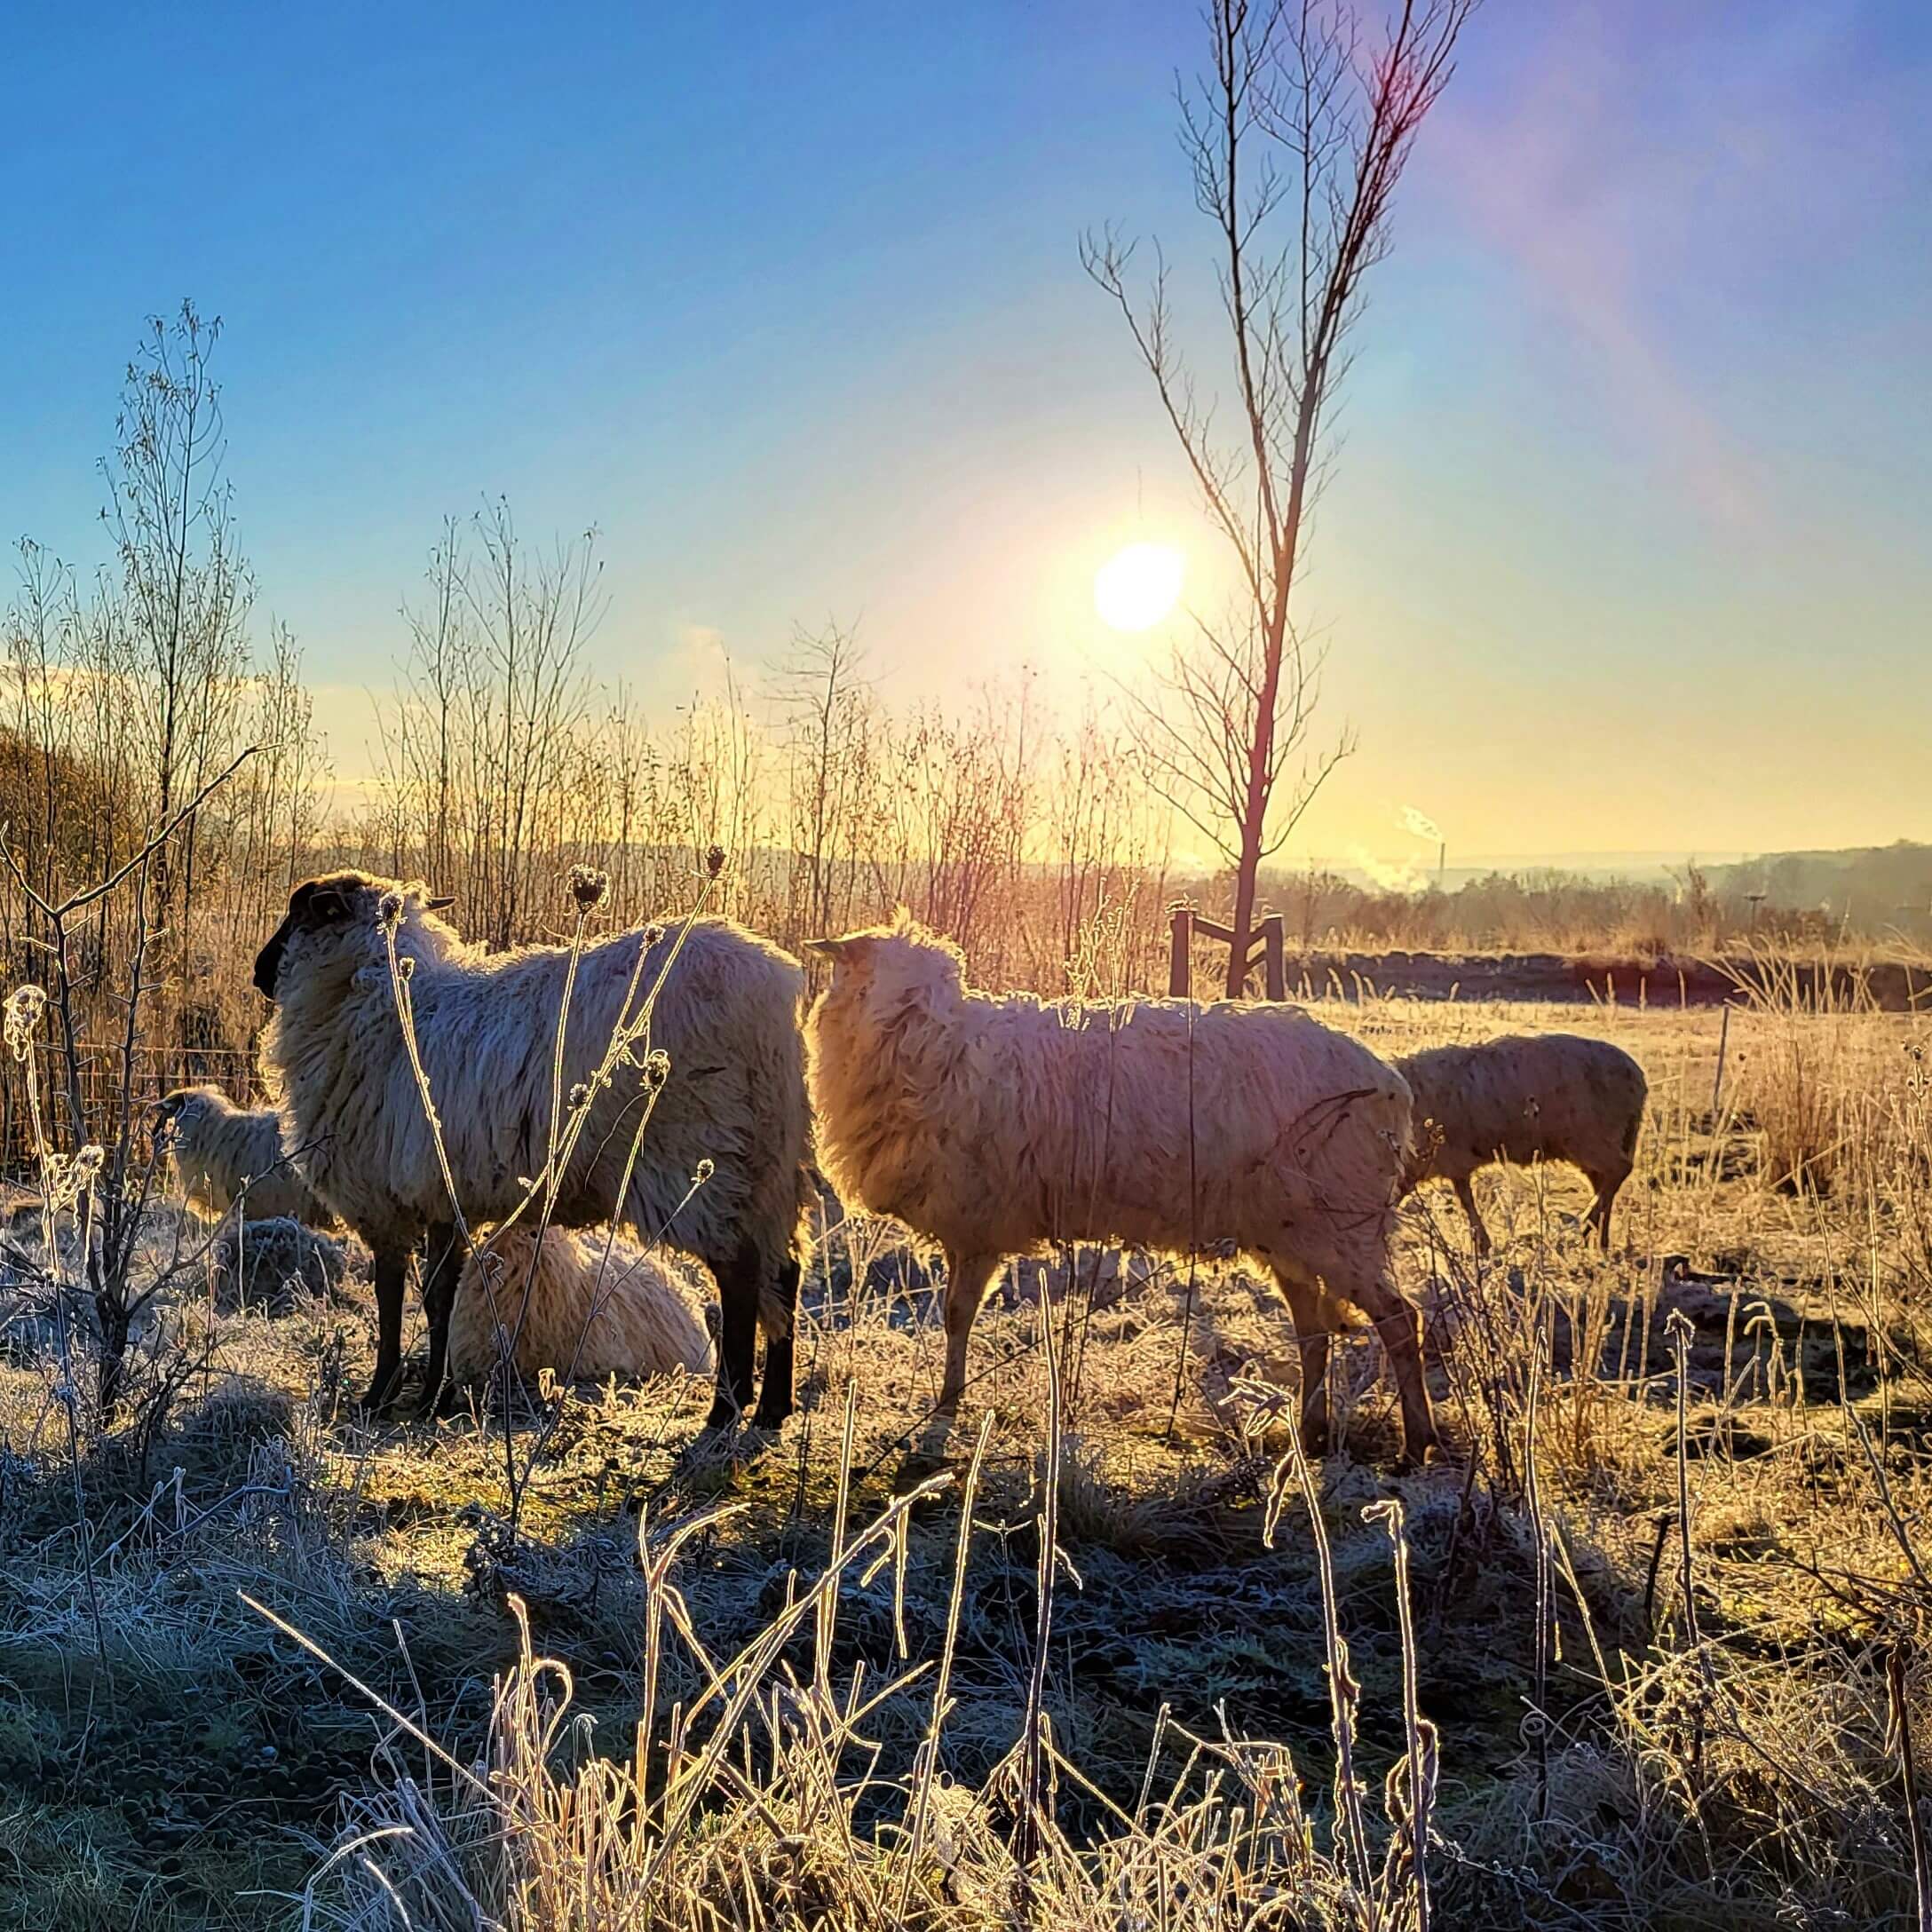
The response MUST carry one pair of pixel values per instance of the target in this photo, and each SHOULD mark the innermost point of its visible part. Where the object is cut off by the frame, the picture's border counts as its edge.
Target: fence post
(1274, 970)
(1180, 954)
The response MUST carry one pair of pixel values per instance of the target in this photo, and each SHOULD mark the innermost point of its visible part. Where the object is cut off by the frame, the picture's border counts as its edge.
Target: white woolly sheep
(575, 1314)
(224, 1154)
(1528, 1097)
(721, 1173)
(994, 1125)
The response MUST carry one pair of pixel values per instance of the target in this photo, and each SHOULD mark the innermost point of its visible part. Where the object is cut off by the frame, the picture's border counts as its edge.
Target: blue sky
(1627, 547)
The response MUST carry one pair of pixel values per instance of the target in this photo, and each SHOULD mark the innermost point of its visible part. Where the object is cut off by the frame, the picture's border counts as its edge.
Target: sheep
(722, 1173)
(224, 1154)
(573, 1313)
(1527, 1096)
(992, 1126)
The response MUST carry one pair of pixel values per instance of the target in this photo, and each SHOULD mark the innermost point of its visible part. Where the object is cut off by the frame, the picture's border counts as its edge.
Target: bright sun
(1136, 587)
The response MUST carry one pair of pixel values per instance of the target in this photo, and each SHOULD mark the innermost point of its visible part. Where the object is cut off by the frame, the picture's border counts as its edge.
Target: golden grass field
(1626, 1733)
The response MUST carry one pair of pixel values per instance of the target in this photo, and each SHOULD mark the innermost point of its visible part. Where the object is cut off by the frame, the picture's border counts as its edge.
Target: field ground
(1699, 1744)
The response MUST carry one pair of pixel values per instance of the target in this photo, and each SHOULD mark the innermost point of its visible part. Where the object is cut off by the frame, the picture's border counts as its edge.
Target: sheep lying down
(994, 1125)
(583, 1317)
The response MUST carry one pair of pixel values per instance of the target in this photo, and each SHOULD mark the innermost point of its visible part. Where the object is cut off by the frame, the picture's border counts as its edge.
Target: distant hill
(1872, 887)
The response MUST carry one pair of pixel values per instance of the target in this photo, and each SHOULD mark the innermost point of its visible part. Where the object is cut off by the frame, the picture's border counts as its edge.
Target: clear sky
(1628, 544)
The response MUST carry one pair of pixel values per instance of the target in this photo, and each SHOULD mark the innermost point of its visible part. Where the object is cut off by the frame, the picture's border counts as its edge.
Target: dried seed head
(654, 935)
(706, 1168)
(657, 1068)
(713, 861)
(580, 1096)
(388, 910)
(405, 967)
(25, 1005)
(588, 885)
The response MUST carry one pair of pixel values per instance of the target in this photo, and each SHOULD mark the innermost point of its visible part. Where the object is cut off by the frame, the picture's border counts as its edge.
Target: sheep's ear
(439, 905)
(854, 950)
(317, 904)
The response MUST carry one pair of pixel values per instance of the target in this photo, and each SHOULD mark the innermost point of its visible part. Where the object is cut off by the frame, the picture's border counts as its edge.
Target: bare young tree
(481, 741)
(827, 707)
(1296, 140)
(185, 590)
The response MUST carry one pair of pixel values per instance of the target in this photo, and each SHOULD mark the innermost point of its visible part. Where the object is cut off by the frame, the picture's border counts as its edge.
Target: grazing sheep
(722, 1172)
(1529, 1096)
(995, 1125)
(257, 1261)
(635, 1317)
(224, 1154)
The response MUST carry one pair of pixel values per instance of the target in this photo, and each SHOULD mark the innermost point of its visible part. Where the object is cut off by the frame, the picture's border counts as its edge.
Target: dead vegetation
(819, 1682)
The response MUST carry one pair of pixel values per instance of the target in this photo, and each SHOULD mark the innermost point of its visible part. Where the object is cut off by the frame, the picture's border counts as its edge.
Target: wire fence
(156, 1071)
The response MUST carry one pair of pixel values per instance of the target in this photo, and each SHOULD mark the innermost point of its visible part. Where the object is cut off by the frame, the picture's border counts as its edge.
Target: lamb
(224, 1154)
(581, 1317)
(722, 1170)
(994, 1125)
(1540, 1097)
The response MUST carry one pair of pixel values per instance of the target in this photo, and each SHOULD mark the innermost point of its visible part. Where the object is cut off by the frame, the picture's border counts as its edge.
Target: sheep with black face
(733, 1108)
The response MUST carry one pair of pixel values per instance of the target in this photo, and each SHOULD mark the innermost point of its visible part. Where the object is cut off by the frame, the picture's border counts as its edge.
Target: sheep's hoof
(380, 1397)
(770, 1421)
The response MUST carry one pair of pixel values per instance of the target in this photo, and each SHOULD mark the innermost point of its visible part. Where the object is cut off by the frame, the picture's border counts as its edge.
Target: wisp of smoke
(1422, 824)
(1404, 877)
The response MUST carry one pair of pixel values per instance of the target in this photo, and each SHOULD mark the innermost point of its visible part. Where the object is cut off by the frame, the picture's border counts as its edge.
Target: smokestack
(1442, 866)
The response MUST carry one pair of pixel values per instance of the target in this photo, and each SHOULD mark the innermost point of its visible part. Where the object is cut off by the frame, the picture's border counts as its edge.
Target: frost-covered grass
(1620, 1737)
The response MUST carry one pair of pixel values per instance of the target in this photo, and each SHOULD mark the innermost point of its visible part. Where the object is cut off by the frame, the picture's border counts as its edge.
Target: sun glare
(1136, 587)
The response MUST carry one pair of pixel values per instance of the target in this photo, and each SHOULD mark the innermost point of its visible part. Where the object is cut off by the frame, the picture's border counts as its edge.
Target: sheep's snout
(268, 962)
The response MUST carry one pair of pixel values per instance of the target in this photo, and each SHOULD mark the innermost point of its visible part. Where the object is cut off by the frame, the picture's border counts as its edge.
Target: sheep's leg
(442, 1265)
(1312, 1324)
(391, 1275)
(1466, 1194)
(1607, 1187)
(1401, 1332)
(1370, 1288)
(780, 1314)
(968, 1277)
(739, 1282)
